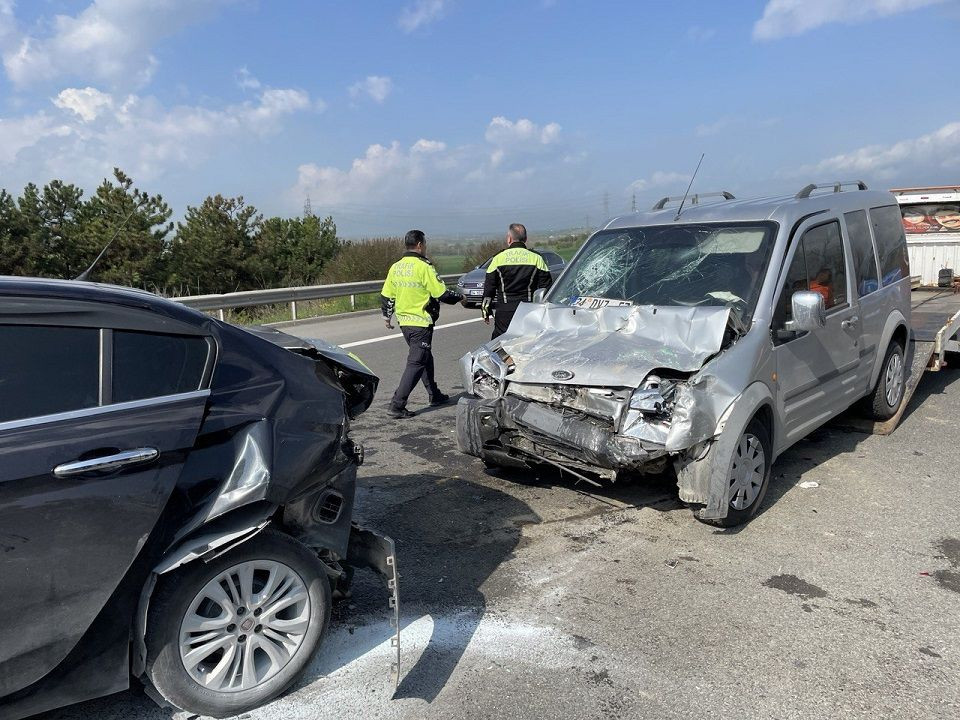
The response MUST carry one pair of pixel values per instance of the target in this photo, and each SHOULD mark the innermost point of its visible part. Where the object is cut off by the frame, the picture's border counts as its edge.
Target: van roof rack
(836, 186)
(694, 199)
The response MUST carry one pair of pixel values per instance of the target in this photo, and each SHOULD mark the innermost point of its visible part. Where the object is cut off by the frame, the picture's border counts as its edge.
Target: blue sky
(460, 115)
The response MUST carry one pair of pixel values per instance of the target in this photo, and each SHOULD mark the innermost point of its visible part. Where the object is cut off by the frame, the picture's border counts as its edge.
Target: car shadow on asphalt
(427, 409)
(788, 471)
(451, 535)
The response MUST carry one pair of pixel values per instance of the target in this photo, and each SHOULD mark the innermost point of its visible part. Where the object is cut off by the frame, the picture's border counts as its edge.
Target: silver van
(708, 340)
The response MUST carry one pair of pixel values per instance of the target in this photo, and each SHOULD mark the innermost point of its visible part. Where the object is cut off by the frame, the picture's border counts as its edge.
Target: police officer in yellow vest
(512, 277)
(413, 291)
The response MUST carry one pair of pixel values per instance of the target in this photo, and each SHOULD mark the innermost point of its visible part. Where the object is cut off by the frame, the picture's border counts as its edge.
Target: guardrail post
(293, 309)
(353, 302)
(220, 313)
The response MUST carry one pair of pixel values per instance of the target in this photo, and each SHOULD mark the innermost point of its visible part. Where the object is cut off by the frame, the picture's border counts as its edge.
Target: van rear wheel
(886, 398)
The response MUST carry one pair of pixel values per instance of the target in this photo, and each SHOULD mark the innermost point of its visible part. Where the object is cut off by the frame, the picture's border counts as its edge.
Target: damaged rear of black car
(176, 500)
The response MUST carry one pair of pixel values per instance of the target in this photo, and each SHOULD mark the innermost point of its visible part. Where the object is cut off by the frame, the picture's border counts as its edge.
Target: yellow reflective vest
(411, 291)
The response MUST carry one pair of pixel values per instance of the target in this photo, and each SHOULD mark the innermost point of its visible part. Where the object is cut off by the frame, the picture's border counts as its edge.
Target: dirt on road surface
(525, 596)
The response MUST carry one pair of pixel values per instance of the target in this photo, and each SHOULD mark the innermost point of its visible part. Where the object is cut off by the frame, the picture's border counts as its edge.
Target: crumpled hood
(612, 346)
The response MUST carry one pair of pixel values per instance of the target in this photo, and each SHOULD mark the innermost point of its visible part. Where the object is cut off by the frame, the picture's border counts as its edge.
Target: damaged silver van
(707, 341)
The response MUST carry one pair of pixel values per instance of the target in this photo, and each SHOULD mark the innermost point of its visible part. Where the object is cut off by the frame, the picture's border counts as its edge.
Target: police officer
(413, 291)
(512, 277)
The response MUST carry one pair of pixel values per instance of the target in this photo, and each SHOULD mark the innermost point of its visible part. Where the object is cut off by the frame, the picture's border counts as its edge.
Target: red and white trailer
(931, 221)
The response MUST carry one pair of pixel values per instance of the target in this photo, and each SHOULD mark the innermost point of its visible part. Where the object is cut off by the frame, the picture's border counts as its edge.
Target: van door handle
(115, 461)
(850, 322)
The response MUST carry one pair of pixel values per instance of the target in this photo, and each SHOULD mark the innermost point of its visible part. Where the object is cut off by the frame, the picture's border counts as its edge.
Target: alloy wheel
(244, 626)
(747, 471)
(893, 379)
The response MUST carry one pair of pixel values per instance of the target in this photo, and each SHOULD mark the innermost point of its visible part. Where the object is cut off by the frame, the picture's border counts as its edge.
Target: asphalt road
(527, 597)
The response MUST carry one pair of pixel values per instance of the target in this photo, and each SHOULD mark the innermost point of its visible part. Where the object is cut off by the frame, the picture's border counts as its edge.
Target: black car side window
(47, 369)
(147, 365)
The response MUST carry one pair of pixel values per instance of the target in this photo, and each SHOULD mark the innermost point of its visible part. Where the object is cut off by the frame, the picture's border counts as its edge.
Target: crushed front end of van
(597, 392)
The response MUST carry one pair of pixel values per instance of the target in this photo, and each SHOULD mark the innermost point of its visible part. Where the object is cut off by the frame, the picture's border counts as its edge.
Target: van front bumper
(531, 431)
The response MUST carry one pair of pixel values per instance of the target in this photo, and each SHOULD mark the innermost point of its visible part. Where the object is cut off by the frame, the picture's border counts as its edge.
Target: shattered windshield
(688, 265)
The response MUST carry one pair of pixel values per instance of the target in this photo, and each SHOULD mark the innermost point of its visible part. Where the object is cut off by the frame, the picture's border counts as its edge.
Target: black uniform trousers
(419, 365)
(502, 315)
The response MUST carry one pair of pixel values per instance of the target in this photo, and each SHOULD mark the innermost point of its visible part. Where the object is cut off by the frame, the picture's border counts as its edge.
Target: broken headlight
(490, 370)
(654, 397)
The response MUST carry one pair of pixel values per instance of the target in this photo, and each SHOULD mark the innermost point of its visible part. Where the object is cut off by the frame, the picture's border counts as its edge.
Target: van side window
(826, 263)
(47, 369)
(861, 245)
(891, 243)
(795, 281)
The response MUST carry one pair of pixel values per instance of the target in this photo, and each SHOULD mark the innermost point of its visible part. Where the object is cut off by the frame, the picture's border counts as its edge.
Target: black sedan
(471, 284)
(176, 499)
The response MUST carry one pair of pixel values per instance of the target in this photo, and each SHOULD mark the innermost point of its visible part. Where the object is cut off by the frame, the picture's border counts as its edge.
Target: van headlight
(488, 372)
(654, 396)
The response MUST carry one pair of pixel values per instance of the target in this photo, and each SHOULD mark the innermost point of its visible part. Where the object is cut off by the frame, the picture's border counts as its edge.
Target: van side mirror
(539, 294)
(809, 312)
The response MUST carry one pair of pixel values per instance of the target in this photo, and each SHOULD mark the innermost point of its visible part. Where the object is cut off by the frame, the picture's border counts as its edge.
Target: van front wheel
(748, 475)
(886, 398)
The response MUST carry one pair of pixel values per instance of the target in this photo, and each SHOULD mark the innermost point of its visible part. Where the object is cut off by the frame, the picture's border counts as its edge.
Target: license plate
(594, 303)
(476, 292)
(545, 421)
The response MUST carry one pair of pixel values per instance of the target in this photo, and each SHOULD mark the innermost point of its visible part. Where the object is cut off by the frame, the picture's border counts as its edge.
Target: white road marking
(396, 335)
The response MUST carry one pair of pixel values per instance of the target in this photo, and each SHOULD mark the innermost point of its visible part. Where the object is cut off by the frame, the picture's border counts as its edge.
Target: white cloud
(245, 79)
(18, 134)
(428, 146)
(86, 102)
(420, 13)
(376, 87)
(782, 18)
(926, 154)
(658, 179)
(93, 131)
(504, 132)
(430, 171)
(109, 41)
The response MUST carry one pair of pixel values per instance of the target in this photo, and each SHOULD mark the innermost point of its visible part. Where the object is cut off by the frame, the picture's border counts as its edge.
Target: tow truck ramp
(936, 321)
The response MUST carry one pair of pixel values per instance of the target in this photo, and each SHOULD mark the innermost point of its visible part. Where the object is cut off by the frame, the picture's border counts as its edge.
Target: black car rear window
(149, 365)
(47, 369)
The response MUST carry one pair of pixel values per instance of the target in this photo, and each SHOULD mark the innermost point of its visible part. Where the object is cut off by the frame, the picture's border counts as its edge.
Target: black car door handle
(107, 462)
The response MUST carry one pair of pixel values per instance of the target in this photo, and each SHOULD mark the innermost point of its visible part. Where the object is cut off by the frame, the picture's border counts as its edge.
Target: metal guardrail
(292, 295)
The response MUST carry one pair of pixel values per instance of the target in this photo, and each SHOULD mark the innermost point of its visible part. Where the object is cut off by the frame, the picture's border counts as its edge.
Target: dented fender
(702, 469)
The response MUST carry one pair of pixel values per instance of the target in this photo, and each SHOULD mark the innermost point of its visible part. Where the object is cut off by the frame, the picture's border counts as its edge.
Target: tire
(889, 385)
(268, 655)
(748, 474)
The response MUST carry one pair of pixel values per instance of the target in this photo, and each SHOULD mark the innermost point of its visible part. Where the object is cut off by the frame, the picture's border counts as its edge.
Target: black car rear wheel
(226, 636)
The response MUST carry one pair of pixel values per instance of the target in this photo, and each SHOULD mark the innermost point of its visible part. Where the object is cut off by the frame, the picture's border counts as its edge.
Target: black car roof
(79, 290)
